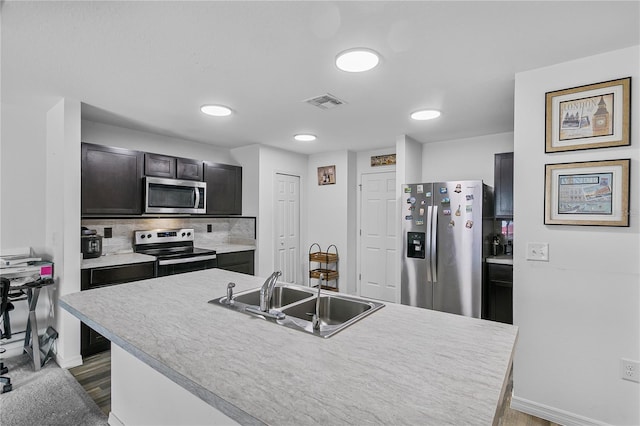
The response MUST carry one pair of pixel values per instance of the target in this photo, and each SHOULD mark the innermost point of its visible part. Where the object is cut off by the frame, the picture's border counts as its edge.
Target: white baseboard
(552, 414)
(67, 363)
(114, 420)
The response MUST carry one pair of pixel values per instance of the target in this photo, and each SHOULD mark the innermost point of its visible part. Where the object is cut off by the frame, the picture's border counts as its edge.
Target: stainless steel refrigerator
(446, 230)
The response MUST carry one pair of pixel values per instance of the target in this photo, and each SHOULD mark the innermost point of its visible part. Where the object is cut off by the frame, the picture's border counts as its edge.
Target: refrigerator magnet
(469, 224)
(452, 223)
(411, 200)
(469, 197)
(458, 188)
(419, 222)
(428, 194)
(407, 190)
(421, 211)
(419, 189)
(469, 208)
(445, 200)
(458, 211)
(446, 212)
(443, 190)
(408, 217)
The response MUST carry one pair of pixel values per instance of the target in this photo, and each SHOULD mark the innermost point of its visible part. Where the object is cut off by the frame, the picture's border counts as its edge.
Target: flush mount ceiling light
(357, 60)
(425, 114)
(305, 137)
(216, 110)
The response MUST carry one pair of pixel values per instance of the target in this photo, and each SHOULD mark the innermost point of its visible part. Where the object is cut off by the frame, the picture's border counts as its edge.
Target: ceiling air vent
(326, 101)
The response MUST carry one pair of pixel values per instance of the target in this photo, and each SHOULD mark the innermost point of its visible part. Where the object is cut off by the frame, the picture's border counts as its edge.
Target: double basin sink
(294, 306)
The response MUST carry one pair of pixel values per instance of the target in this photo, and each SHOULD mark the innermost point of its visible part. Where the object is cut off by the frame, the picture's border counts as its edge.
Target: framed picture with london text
(587, 193)
(587, 117)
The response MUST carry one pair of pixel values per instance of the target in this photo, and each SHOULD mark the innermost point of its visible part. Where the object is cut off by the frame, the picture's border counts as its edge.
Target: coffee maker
(90, 243)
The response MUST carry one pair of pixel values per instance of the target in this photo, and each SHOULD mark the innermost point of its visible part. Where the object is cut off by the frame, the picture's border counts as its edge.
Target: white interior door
(287, 227)
(378, 221)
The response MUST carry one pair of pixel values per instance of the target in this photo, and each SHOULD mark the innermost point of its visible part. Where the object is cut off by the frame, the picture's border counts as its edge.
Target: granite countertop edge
(206, 395)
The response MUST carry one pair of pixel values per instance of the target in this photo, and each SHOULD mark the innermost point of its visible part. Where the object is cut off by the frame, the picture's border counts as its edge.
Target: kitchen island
(400, 365)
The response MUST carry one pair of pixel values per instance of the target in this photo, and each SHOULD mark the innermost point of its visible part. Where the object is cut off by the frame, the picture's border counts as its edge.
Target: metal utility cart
(325, 263)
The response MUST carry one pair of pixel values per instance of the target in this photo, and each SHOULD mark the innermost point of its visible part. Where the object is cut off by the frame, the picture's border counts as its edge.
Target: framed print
(327, 175)
(587, 193)
(383, 160)
(586, 117)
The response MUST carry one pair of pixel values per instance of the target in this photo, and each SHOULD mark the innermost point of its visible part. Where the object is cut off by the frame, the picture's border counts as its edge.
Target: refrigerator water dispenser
(415, 245)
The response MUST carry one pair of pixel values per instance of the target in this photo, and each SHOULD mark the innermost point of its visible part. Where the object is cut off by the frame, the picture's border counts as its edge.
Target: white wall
(332, 213)
(464, 159)
(22, 178)
(63, 220)
(104, 134)
(579, 313)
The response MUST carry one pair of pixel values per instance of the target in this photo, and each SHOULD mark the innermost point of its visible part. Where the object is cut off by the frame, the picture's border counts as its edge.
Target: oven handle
(186, 260)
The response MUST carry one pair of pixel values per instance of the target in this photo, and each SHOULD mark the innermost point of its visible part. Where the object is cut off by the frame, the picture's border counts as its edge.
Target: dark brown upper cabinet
(503, 181)
(224, 188)
(111, 180)
(171, 167)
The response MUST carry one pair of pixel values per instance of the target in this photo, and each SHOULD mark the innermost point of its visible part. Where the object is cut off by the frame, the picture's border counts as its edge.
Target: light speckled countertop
(400, 365)
(131, 258)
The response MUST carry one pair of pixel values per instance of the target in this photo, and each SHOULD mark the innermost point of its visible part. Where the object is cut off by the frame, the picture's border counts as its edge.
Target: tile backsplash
(239, 230)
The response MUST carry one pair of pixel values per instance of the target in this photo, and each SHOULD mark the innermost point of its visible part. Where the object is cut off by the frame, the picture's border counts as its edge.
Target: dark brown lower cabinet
(240, 261)
(499, 293)
(92, 342)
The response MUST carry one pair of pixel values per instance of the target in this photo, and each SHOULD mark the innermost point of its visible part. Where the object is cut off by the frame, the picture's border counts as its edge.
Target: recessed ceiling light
(305, 137)
(357, 60)
(425, 114)
(216, 110)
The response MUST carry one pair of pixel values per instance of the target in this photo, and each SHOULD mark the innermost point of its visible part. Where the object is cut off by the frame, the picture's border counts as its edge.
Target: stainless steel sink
(293, 307)
(333, 310)
(282, 296)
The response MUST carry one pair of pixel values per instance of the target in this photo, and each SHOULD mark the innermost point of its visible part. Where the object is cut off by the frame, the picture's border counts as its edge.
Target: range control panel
(164, 236)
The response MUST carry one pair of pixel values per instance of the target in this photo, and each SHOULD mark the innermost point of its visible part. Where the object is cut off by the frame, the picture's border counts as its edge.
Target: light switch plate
(538, 251)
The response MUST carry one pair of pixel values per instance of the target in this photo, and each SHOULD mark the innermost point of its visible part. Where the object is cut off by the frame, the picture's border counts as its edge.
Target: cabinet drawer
(100, 277)
(502, 273)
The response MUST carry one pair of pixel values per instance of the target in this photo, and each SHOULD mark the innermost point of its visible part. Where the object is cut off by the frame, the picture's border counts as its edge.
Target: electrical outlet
(630, 370)
(209, 228)
(538, 251)
(108, 232)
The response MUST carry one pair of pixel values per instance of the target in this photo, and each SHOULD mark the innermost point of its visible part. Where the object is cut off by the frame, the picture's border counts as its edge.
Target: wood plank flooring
(95, 377)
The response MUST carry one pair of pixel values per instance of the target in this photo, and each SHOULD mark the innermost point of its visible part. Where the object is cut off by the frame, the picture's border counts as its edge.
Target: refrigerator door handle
(427, 242)
(434, 244)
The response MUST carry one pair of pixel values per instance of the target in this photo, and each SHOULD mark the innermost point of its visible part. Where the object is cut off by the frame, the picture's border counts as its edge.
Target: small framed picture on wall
(327, 175)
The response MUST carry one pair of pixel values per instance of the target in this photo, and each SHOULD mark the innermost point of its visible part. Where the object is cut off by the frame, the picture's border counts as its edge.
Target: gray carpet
(50, 396)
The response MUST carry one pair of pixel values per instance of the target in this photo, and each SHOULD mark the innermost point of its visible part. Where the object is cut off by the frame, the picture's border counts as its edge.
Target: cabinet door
(503, 181)
(189, 169)
(500, 293)
(159, 166)
(111, 180)
(224, 188)
(242, 262)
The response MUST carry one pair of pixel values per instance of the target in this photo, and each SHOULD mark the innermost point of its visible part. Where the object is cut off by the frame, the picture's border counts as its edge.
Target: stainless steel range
(174, 251)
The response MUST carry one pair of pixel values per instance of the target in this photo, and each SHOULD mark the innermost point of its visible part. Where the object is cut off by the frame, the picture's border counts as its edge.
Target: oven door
(173, 266)
(174, 196)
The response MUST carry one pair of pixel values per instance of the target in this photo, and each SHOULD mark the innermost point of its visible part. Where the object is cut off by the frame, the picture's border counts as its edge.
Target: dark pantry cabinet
(224, 188)
(111, 180)
(503, 181)
(92, 342)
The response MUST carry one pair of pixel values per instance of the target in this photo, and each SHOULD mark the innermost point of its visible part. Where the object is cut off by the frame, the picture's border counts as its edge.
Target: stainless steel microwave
(174, 196)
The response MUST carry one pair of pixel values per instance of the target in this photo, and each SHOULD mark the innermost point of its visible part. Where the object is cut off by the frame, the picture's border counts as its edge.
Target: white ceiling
(151, 65)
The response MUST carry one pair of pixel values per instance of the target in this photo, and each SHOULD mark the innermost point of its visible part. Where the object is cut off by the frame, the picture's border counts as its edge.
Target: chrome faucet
(315, 320)
(266, 291)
